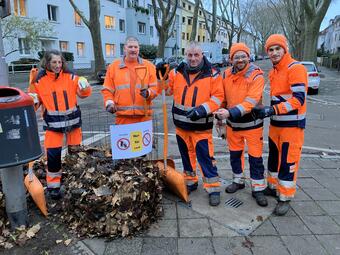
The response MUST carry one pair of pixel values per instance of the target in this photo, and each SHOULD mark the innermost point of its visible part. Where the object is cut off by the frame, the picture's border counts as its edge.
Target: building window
(24, 47)
(200, 13)
(80, 49)
(63, 45)
(151, 31)
(203, 39)
(183, 20)
(122, 49)
(109, 50)
(110, 22)
(183, 36)
(189, 21)
(52, 12)
(159, 13)
(187, 36)
(198, 38)
(141, 28)
(183, 5)
(19, 8)
(189, 7)
(200, 25)
(150, 8)
(77, 19)
(183, 51)
(122, 25)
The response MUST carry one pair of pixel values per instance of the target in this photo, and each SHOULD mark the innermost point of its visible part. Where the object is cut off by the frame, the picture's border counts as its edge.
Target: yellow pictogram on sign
(136, 141)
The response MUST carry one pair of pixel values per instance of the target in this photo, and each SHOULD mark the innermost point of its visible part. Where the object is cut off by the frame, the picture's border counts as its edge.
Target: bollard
(14, 190)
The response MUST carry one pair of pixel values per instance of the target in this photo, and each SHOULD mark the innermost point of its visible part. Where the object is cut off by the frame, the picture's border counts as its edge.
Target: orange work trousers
(53, 146)
(254, 139)
(285, 145)
(198, 144)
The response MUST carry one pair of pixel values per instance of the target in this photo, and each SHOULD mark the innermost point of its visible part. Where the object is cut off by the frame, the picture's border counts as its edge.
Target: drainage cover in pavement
(233, 202)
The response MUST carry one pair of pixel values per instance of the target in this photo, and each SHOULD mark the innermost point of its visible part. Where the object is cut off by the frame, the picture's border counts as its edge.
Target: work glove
(83, 83)
(144, 93)
(261, 112)
(111, 108)
(221, 129)
(162, 68)
(197, 113)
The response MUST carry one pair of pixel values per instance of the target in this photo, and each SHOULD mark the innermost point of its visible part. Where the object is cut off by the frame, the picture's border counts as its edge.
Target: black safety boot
(214, 198)
(54, 193)
(232, 188)
(281, 208)
(270, 192)
(260, 198)
(192, 187)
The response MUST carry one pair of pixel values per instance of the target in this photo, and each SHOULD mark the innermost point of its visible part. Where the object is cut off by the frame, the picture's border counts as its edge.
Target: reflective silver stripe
(285, 198)
(212, 189)
(298, 88)
(211, 180)
(285, 96)
(53, 185)
(185, 119)
(246, 124)
(151, 91)
(153, 85)
(258, 185)
(216, 100)
(62, 113)
(110, 90)
(288, 117)
(190, 173)
(287, 184)
(135, 107)
(288, 106)
(138, 86)
(183, 107)
(241, 108)
(123, 86)
(54, 174)
(272, 174)
(67, 123)
(206, 107)
(251, 100)
(238, 178)
(190, 182)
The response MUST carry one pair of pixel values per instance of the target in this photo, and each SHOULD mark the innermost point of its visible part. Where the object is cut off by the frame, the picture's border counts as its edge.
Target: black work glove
(197, 113)
(144, 93)
(261, 112)
(160, 67)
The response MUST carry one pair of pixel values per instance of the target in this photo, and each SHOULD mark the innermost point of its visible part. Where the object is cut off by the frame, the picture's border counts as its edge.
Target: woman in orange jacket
(56, 90)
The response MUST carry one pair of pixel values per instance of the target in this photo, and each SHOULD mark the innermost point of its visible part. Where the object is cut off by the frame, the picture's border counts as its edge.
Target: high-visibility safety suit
(194, 138)
(243, 91)
(288, 90)
(61, 116)
(122, 86)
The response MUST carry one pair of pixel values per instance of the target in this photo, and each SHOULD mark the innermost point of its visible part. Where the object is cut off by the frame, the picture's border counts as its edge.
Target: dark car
(101, 76)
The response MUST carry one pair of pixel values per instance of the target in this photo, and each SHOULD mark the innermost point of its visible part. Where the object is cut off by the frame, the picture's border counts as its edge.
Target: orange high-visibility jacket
(242, 92)
(205, 89)
(58, 95)
(117, 88)
(288, 90)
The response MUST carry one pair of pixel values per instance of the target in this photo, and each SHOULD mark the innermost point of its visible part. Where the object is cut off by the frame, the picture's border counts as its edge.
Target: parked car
(313, 77)
(101, 76)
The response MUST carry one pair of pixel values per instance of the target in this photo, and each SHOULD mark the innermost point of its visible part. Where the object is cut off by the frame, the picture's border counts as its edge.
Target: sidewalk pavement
(312, 225)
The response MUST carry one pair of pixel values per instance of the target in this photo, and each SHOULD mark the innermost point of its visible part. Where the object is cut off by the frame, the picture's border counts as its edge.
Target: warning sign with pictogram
(131, 140)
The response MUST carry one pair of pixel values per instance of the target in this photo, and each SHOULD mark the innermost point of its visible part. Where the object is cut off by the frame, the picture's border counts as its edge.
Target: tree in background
(93, 24)
(148, 51)
(210, 26)
(167, 12)
(195, 21)
(30, 29)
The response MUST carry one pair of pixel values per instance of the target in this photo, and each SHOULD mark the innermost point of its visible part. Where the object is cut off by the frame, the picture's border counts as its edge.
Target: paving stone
(96, 244)
(195, 246)
(330, 207)
(308, 164)
(336, 218)
(170, 211)
(124, 247)
(289, 226)
(290, 213)
(320, 194)
(219, 230)
(321, 224)
(306, 208)
(185, 212)
(303, 245)
(308, 183)
(230, 246)
(163, 228)
(159, 246)
(300, 195)
(302, 173)
(194, 228)
(268, 245)
(328, 163)
(328, 182)
(331, 243)
(265, 229)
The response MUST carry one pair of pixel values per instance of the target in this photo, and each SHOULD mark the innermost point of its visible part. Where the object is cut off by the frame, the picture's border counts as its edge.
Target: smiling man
(288, 89)
(243, 87)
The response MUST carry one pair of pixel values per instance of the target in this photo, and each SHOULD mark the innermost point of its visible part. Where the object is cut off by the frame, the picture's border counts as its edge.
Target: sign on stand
(131, 140)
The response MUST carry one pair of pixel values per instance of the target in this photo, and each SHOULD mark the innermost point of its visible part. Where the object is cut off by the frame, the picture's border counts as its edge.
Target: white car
(313, 77)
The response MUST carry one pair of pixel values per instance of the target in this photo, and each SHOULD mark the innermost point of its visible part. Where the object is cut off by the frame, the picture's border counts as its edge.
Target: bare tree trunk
(93, 24)
(212, 30)
(167, 19)
(195, 21)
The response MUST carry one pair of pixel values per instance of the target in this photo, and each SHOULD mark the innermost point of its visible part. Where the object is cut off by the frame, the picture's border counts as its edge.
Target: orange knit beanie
(276, 39)
(239, 47)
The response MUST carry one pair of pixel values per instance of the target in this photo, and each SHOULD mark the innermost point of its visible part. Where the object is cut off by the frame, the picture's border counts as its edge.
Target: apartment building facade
(330, 36)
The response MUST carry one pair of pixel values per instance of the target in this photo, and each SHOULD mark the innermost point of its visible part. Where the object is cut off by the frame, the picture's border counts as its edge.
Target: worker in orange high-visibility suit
(288, 89)
(243, 88)
(197, 90)
(56, 90)
(122, 91)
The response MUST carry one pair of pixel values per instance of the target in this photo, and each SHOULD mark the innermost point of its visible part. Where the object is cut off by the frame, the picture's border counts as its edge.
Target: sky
(333, 10)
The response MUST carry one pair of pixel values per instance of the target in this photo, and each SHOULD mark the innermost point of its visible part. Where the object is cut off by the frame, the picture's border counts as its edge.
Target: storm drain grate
(233, 202)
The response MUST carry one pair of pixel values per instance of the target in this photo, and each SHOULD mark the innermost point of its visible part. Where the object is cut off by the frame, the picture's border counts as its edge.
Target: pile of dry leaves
(106, 199)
